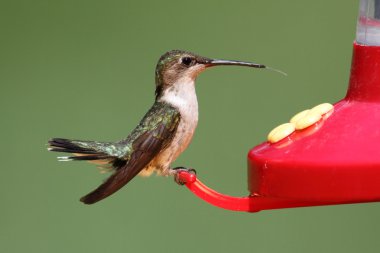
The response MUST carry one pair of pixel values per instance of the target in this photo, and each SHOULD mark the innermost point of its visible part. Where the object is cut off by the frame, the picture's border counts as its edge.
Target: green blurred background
(85, 69)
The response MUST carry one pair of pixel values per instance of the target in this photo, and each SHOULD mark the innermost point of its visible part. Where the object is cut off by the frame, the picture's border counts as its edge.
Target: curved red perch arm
(243, 204)
(213, 197)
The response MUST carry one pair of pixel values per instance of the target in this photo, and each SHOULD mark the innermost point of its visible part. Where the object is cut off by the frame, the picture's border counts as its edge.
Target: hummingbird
(162, 135)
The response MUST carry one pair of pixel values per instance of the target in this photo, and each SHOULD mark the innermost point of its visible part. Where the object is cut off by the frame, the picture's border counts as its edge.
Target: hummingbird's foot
(177, 170)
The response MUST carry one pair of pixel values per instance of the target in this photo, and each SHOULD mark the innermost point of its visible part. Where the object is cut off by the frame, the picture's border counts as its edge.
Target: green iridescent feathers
(159, 114)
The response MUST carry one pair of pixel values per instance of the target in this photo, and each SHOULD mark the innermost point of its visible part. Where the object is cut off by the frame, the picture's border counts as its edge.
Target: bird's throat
(182, 95)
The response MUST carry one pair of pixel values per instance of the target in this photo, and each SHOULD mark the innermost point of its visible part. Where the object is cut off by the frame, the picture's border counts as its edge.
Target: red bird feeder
(334, 161)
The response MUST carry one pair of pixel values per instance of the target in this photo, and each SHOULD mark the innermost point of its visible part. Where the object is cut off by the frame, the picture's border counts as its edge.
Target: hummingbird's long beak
(217, 62)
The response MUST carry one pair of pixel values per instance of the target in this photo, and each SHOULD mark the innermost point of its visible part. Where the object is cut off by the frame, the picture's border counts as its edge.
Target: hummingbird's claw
(177, 170)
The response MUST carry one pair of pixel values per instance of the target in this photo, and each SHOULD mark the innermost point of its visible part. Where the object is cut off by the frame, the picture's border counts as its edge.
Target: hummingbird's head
(176, 65)
(179, 67)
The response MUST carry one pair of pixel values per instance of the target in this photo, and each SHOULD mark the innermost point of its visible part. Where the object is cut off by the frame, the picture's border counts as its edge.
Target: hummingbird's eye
(187, 61)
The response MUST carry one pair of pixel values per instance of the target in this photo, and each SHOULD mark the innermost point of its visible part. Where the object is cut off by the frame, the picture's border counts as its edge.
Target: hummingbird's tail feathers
(90, 151)
(68, 146)
(82, 158)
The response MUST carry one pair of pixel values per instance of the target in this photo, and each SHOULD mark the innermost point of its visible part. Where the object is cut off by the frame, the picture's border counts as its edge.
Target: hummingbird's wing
(152, 135)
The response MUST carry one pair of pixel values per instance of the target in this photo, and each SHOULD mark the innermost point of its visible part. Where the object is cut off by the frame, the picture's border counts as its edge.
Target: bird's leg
(175, 172)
